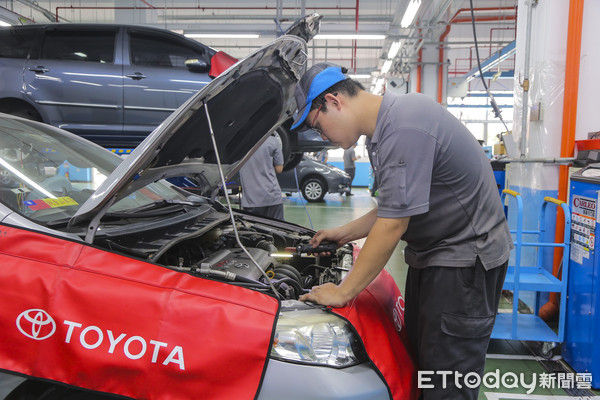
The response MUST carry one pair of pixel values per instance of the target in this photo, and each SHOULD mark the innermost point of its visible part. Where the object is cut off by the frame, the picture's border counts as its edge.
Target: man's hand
(341, 235)
(327, 294)
(381, 242)
(336, 235)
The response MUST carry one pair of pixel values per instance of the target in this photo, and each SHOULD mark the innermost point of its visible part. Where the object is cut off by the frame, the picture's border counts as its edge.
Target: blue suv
(112, 84)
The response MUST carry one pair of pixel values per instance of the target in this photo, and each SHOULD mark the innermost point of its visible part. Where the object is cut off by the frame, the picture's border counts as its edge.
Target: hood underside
(242, 106)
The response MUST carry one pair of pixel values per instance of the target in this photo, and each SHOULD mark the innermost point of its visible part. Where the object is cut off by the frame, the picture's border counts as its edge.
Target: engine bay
(267, 259)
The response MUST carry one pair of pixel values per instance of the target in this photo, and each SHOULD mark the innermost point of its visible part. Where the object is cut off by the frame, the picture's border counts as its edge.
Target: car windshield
(46, 175)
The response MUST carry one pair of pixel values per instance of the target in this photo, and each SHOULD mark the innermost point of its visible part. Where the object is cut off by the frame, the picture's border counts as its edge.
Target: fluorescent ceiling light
(222, 35)
(2, 23)
(352, 36)
(386, 66)
(360, 76)
(410, 13)
(394, 48)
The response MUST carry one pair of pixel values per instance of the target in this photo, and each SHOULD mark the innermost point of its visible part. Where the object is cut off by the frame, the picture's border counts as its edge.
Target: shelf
(515, 326)
(529, 327)
(532, 279)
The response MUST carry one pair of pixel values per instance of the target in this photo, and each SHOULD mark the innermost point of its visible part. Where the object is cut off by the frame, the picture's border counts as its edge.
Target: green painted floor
(506, 360)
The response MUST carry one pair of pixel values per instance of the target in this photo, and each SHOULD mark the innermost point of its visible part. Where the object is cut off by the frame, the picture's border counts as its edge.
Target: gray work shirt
(430, 168)
(260, 187)
(349, 155)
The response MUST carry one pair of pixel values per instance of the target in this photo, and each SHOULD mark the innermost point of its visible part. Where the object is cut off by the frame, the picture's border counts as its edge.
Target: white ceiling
(495, 26)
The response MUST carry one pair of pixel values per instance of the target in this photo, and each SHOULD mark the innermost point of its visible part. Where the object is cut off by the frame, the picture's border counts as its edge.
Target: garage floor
(507, 357)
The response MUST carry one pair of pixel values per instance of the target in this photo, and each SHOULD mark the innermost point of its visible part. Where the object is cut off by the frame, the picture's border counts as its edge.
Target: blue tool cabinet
(582, 338)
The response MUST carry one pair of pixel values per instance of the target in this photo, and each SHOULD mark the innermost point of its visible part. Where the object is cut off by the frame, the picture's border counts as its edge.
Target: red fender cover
(90, 318)
(377, 314)
(219, 63)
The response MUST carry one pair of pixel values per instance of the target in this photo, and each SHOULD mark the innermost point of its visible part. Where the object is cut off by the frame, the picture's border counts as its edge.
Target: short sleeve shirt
(429, 167)
(349, 155)
(260, 187)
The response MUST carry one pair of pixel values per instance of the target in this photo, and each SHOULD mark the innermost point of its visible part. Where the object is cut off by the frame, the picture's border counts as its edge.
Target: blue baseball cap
(315, 81)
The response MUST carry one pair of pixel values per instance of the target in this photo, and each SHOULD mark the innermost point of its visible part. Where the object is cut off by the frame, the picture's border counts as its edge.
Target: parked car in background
(119, 283)
(112, 84)
(315, 180)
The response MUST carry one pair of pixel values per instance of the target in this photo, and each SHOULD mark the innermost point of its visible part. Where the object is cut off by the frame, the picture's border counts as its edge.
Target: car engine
(208, 247)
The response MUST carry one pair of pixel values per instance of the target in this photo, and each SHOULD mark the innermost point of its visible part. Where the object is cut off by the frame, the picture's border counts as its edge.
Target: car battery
(582, 332)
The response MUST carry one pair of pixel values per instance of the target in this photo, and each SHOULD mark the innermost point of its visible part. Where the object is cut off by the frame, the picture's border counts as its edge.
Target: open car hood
(243, 106)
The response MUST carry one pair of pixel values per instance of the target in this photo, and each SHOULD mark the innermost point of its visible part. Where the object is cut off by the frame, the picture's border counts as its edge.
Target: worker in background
(349, 167)
(437, 193)
(261, 193)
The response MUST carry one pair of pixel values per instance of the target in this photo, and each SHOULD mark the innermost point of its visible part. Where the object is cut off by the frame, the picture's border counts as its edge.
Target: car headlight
(313, 336)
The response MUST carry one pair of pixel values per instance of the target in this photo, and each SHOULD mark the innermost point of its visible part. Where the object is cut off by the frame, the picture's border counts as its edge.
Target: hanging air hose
(497, 111)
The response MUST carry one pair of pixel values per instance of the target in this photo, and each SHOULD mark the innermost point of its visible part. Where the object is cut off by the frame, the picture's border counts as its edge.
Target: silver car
(314, 180)
(115, 282)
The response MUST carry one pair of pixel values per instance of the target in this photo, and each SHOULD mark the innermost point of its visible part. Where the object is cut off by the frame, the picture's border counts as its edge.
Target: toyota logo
(36, 324)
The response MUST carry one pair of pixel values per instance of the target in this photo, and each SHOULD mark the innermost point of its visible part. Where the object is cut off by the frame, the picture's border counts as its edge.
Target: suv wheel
(23, 112)
(287, 144)
(293, 161)
(314, 190)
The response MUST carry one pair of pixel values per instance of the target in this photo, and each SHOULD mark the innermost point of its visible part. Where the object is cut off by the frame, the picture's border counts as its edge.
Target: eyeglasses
(314, 120)
(312, 124)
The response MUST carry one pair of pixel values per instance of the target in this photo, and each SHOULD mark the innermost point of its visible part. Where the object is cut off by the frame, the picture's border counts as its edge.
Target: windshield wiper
(57, 223)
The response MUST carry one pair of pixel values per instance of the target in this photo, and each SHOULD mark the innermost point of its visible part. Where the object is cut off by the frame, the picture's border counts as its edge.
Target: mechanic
(437, 192)
(349, 166)
(261, 193)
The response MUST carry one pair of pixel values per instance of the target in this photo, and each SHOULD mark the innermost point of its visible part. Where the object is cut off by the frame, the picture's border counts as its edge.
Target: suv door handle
(136, 76)
(40, 69)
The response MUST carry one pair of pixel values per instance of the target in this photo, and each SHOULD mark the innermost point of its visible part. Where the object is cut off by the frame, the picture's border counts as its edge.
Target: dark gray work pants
(351, 172)
(449, 318)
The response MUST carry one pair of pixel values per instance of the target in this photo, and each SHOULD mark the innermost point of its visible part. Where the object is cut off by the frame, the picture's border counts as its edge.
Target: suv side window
(16, 43)
(94, 46)
(159, 51)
